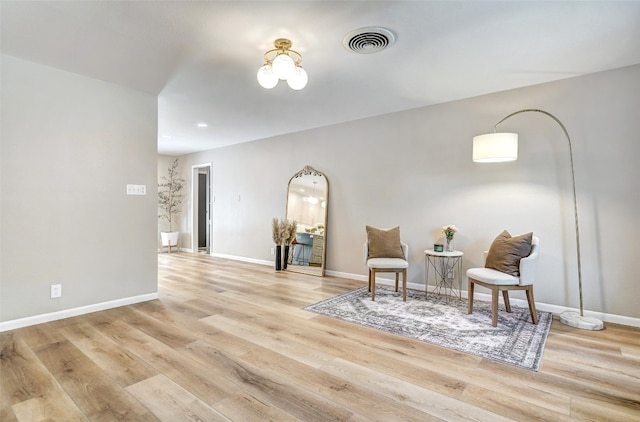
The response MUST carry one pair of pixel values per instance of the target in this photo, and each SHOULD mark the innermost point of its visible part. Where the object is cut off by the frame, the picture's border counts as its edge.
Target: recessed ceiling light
(201, 124)
(166, 136)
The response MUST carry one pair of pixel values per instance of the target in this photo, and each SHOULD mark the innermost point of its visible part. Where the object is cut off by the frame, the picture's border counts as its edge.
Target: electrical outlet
(273, 251)
(56, 291)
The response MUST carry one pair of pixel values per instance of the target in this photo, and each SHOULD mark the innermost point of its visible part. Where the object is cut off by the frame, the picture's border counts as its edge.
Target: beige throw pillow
(506, 252)
(384, 243)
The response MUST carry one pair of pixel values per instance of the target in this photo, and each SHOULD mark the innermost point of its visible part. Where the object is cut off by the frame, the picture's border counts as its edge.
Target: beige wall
(70, 145)
(414, 169)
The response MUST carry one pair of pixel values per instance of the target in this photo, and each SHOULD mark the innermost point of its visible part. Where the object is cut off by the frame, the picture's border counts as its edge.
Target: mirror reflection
(307, 204)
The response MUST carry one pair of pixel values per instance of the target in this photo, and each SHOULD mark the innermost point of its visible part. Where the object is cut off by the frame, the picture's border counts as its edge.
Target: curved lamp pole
(499, 147)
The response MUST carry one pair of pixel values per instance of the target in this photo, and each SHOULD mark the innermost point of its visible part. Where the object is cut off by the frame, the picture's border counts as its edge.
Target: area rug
(444, 321)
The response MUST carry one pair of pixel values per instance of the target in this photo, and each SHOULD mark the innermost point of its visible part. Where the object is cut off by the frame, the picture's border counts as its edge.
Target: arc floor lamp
(501, 147)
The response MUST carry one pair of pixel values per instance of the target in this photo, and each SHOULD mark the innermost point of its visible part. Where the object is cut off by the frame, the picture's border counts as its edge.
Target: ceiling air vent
(368, 40)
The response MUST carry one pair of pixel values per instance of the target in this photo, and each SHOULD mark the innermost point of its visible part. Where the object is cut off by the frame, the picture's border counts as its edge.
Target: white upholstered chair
(387, 265)
(498, 281)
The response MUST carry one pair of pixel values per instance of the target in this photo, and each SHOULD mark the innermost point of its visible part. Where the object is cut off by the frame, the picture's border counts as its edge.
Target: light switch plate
(136, 189)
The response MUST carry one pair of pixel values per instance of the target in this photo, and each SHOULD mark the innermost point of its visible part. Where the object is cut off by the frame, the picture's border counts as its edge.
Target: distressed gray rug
(515, 340)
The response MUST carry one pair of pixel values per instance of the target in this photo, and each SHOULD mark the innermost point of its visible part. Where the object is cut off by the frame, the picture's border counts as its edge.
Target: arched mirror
(307, 204)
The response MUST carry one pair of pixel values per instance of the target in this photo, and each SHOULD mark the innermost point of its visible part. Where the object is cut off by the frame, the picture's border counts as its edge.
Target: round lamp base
(574, 319)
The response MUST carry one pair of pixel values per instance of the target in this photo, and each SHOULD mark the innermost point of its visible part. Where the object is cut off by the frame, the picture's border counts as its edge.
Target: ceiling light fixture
(282, 63)
(312, 199)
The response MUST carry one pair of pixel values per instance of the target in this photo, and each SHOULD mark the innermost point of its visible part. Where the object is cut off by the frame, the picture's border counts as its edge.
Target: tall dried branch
(170, 194)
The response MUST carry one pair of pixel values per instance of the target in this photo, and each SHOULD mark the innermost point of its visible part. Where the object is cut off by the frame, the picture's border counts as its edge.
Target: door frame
(195, 182)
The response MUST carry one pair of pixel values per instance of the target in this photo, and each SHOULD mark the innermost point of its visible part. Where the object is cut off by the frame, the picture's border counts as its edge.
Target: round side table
(447, 267)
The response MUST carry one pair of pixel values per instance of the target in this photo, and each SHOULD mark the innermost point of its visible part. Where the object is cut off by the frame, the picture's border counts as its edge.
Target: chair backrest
(529, 265)
(365, 251)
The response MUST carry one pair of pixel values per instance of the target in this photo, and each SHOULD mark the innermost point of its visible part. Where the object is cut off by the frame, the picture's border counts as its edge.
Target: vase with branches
(170, 202)
(277, 233)
(284, 233)
(290, 228)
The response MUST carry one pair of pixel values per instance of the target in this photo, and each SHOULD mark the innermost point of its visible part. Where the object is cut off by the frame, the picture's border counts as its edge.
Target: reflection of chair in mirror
(301, 249)
(292, 252)
(383, 252)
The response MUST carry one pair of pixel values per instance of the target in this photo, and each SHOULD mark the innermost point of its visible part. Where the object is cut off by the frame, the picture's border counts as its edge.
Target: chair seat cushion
(491, 276)
(387, 263)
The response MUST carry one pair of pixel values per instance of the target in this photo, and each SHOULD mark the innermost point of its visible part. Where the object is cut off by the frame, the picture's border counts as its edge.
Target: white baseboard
(243, 259)
(67, 313)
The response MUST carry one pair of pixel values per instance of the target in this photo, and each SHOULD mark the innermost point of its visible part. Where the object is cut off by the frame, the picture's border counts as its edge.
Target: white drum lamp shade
(495, 147)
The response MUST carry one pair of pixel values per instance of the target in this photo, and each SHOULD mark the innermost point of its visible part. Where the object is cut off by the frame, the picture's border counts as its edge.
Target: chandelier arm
(298, 59)
(267, 60)
(573, 183)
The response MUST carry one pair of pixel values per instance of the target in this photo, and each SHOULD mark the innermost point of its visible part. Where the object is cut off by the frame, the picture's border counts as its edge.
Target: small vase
(449, 246)
(278, 258)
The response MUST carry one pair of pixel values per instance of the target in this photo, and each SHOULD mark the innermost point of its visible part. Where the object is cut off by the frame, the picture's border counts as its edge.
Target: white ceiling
(201, 57)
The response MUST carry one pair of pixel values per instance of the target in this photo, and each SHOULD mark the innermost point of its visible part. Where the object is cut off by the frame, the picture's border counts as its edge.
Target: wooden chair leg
(532, 304)
(505, 296)
(494, 306)
(369, 279)
(373, 285)
(470, 287)
(404, 285)
(397, 274)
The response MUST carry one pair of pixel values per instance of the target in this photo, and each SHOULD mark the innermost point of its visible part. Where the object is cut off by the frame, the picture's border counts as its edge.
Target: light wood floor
(229, 341)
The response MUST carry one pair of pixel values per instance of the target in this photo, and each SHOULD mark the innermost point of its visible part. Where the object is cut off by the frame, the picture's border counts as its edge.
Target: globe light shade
(298, 79)
(266, 77)
(312, 200)
(495, 147)
(283, 66)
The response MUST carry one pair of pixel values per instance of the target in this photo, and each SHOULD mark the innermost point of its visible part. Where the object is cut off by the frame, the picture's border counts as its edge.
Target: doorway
(201, 198)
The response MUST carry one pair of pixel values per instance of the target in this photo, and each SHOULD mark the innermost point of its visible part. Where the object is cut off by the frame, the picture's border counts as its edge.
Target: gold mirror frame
(308, 253)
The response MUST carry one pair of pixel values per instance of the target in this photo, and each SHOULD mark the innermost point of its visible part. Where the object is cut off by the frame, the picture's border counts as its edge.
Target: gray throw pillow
(384, 243)
(506, 251)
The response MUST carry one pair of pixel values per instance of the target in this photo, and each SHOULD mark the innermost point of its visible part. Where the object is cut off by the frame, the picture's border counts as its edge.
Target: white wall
(414, 169)
(70, 145)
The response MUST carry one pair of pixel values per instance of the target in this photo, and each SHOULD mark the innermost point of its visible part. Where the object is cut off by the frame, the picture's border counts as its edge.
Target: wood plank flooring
(229, 341)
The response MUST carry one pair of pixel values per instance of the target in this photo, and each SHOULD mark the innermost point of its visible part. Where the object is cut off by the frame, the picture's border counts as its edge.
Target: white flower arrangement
(449, 231)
